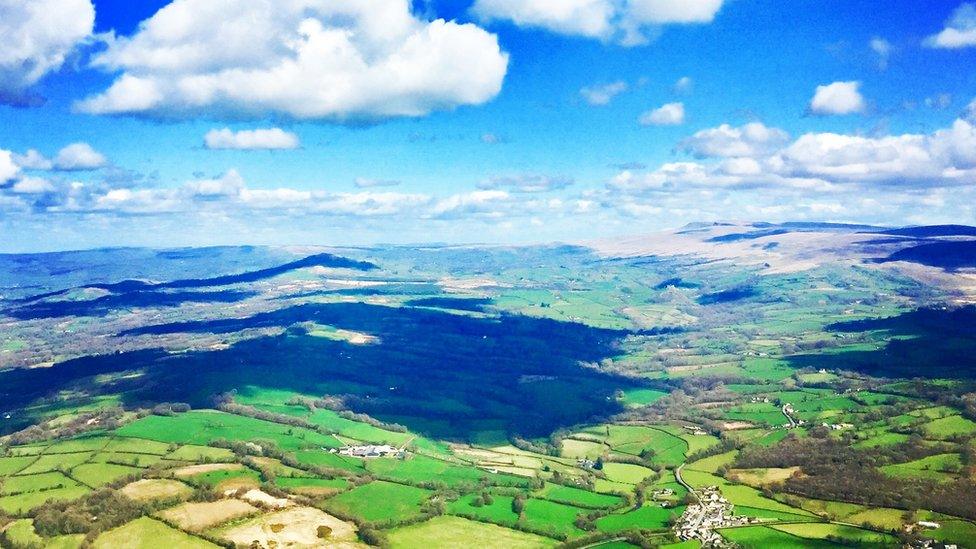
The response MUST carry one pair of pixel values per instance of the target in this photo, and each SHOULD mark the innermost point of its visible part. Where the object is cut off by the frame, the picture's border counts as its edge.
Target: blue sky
(486, 121)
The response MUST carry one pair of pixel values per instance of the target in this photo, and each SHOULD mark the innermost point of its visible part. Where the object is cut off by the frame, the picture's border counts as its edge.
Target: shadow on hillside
(126, 286)
(103, 305)
(949, 255)
(440, 374)
(928, 343)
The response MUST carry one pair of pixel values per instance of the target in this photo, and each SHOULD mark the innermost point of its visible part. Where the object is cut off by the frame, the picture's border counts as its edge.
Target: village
(701, 520)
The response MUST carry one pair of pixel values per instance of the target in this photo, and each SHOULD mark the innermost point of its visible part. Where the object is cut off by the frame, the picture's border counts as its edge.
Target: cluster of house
(695, 430)
(585, 463)
(789, 412)
(370, 451)
(701, 520)
(837, 426)
(665, 496)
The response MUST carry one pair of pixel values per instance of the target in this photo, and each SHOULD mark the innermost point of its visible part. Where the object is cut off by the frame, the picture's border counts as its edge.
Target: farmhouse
(371, 451)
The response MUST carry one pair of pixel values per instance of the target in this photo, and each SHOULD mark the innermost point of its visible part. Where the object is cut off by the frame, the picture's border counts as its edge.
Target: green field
(34, 483)
(577, 497)
(203, 427)
(458, 532)
(21, 503)
(950, 426)
(762, 537)
(146, 533)
(855, 536)
(380, 501)
(626, 473)
(98, 474)
(649, 516)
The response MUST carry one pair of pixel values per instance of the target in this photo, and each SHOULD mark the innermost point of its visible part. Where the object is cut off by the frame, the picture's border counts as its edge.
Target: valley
(721, 385)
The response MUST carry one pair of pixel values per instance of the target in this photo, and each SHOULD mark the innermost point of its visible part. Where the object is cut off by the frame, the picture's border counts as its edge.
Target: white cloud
(8, 167)
(752, 139)
(684, 85)
(822, 162)
(883, 49)
(79, 156)
(36, 37)
(33, 160)
(939, 101)
(481, 202)
(229, 184)
(32, 185)
(603, 94)
(838, 98)
(366, 182)
(960, 30)
(970, 112)
(264, 138)
(590, 18)
(308, 59)
(671, 114)
(527, 183)
(228, 194)
(628, 22)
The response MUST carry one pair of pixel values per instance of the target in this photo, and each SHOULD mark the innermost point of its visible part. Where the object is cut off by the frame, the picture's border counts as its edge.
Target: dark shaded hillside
(318, 260)
(726, 296)
(932, 231)
(103, 305)
(441, 374)
(23, 275)
(139, 293)
(455, 303)
(936, 343)
(946, 255)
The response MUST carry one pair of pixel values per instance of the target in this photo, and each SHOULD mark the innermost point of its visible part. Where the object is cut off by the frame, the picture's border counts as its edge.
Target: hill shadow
(103, 305)
(929, 343)
(317, 260)
(949, 255)
(440, 374)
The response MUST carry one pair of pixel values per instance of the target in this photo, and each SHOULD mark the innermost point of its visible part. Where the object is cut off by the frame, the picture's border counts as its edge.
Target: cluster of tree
(91, 515)
(108, 418)
(170, 408)
(546, 449)
(264, 415)
(834, 470)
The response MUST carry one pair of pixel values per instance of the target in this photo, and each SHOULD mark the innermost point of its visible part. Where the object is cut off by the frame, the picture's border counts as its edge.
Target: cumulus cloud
(527, 183)
(225, 194)
(308, 59)
(366, 182)
(590, 18)
(33, 160)
(628, 22)
(37, 36)
(79, 157)
(476, 203)
(837, 99)
(960, 30)
(970, 112)
(671, 114)
(883, 50)
(32, 185)
(684, 85)
(8, 168)
(756, 156)
(752, 139)
(603, 94)
(259, 139)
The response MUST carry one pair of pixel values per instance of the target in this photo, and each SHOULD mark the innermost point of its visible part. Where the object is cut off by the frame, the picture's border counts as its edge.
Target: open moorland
(723, 385)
